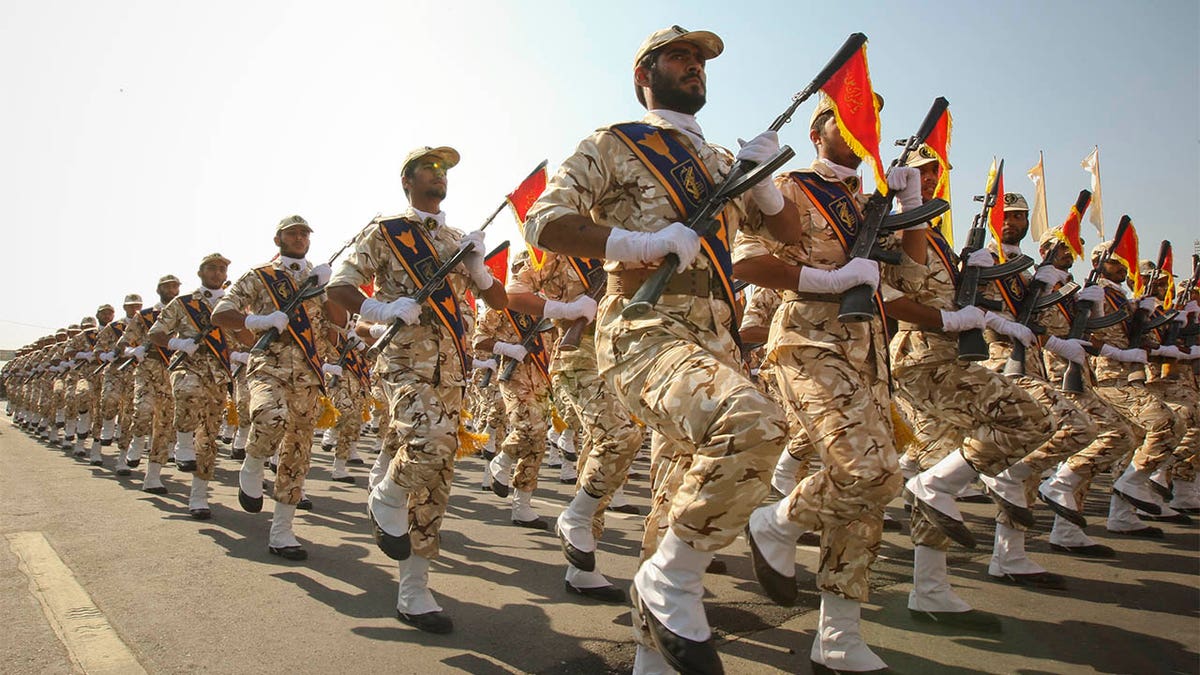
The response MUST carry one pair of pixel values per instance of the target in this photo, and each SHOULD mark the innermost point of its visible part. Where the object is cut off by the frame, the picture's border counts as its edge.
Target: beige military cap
(446, 156)
(169, 279)
(825, 104)
(922, 156)
(1099, 250)
(1015, 201)
(88, 322)
(133, 299)
(105, 306)
(292, 221)
(710, 45)
(213, 257)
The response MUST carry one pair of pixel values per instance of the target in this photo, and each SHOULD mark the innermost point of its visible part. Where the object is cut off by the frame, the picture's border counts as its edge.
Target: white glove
(515, 352)
(1192, 307)
(1168, 352)
(1181, 317)
(240, 357)
(1093, 294)
(138, 352)
(1148, 303)
(331, 369)
(261, 322)
(758, 150)
(105, 357)
(856, 272)
(582, 307)
(83, 356)
(1070, 349)
(981, 258)
(322, 272)
(967, 318)
(1012, 329)
(906, 181)
(488, 364)
(1190, 355)
(355, 341)
(183, 345)
(1050, 275)
(405, 309)
(630, 246)
(473, 263)
(1123, 355)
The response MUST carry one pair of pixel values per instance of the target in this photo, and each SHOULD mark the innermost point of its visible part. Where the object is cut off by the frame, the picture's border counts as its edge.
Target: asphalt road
(205, 597)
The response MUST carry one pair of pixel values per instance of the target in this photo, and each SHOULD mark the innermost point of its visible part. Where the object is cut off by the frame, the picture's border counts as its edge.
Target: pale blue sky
(138, 136)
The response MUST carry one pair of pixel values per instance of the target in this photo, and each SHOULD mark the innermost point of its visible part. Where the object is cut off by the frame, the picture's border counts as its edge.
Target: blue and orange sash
(688, 184)
(282, 289)
(416, 254)
(1013, 290)
(943, 251)
(199, 314)
(148, 317)
(526, 325)
(1115, 301)
(583, 267)
(355, 363)
(835, 202)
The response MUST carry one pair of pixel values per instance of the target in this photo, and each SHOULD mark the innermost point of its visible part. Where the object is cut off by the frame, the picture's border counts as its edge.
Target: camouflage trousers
(1184, 402)
(527, 406)
(87, 400)
(844, 409)
(422, 443)
(241, 399)
(283, 415)
(153, 408)
(607, 439)
(955, 405)
(1114, 437)
(116, 402)
(1157, 431)
(491, 410)
(685, 381)
(348, 397)
(199, 402)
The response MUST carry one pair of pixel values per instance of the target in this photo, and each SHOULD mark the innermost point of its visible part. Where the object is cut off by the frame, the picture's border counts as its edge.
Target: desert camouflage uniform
(832, 377)
(83, 388)
(116, 391)
(284, 389)
(1175, 389)
(199, 385)
(953, 404)
(526, 403)
(349, 396)
(677, 369)
(608, 438)
(422, 378)
(153, 402)
(1123, 386)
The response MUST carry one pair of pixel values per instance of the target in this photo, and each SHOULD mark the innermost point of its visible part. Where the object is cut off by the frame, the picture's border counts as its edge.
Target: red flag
(498, 264)
(520, 200)
(856, 109)
(1126, 253)
(1168, 264)
(368, 288)
(995, 218)
(939, 142)
(1068, 233)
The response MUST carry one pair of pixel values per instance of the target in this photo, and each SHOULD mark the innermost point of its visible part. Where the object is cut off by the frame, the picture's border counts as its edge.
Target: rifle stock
(1073, 376)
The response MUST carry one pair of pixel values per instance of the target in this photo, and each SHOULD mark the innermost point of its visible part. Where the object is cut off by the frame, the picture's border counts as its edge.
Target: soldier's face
(168, 291)
(929, 180)
(131, 310)
(293, 242)
(1016, 224)
(832, 146)
(677, 80)
(1114, 272)
(212, 274)
(1063, 259)
(427, 180)
(105, 316)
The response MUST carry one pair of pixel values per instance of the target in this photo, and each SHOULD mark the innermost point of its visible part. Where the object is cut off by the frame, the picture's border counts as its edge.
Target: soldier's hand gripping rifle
(348, 345)
(971, 345)
(1082, 324)
(1189, 327)
(1142, 323)
(742, 176)
(597, 285)
(858, 303)
(527, 340)
(1035, 294)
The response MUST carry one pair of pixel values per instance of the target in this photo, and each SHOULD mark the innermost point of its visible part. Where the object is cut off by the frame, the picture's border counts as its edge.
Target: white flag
(1091, 164)
(1039, 219)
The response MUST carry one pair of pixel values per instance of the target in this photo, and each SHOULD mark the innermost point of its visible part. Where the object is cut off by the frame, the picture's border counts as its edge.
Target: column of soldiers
(788, 395)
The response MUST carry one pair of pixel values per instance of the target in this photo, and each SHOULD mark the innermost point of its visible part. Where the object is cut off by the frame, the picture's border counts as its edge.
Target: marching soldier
(423, 370)
(87, 383)
(116, 392)
(349, 395)
(199, 384)
(620, 197)
(285, 379)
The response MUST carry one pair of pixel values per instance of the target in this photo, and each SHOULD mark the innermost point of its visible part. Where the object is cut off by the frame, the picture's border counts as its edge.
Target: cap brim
(446, 156)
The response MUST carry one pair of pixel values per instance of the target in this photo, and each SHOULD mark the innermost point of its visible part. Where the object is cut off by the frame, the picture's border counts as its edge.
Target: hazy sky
(136, 137)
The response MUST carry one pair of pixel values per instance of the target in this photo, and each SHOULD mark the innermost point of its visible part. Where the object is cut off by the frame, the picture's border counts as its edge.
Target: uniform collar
(210, 296)
(677, 120)
(837, 173)
(431, 221)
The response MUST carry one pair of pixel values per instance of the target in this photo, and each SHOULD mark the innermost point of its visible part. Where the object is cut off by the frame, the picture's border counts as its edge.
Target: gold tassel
(231, 416)
(469, 442)
(557, 421)
(329, 414)
(366, 413)
(902, 433)
(637, 421)
(375, 403)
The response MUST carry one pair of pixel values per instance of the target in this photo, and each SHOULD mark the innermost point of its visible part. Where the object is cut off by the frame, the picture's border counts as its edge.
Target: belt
(794, 296)
(692, 282)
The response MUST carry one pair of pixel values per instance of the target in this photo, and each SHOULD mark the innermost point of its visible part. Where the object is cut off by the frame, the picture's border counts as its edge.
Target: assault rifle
(1034, 299)
(858, 302)
(971, 345)
(1141, 323)
(1082, 324)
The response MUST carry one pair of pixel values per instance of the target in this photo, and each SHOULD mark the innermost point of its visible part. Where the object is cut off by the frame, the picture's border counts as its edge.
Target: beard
(671, 96)
(436, 192)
